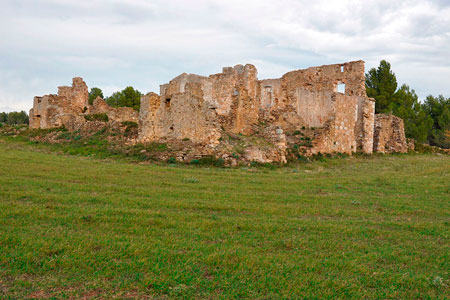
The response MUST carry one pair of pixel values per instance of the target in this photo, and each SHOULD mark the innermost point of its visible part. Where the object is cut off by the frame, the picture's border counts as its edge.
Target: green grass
(343, 228)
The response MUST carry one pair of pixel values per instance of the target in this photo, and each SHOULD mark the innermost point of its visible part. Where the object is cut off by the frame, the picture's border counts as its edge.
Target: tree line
(426, 122)
(14, 118)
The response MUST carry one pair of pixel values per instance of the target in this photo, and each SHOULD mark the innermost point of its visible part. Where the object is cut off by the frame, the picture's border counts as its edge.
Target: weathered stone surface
(117, 114)
(69, 107)
(234, 116)
(204, 109)
(389, 134)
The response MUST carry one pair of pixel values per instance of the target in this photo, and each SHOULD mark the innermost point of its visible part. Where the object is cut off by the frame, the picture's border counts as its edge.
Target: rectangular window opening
(342, 69)
(341, 88)
(168, 102)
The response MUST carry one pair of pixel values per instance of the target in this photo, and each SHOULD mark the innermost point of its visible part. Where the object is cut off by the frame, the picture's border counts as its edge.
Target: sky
(144, 43)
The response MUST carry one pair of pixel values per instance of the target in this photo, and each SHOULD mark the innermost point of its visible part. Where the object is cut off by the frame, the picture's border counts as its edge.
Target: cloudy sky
(144, 43)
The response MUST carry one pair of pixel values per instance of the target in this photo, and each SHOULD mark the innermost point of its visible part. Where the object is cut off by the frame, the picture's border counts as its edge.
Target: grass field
(341, 228)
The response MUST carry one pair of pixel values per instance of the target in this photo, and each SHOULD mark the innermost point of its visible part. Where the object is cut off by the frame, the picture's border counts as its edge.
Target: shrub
(97, 117)
(194, 162)
(131, 127)
(130, 124)
(256, 164)
(64, 136)
(211, 161)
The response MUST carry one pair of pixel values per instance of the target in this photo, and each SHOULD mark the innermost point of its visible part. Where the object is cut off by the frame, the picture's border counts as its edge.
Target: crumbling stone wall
(309, 98)
(389, 135)
(235, 101)
(69, 107)
(117, 114)
(64, 109)
(222, 113)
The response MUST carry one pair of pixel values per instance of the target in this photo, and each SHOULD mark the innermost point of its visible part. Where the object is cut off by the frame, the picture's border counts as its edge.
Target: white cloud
(112, 44)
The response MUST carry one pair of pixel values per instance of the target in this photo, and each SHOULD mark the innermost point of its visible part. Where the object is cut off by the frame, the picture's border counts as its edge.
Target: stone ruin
(233, 115)
(70, 107)
(389, 135)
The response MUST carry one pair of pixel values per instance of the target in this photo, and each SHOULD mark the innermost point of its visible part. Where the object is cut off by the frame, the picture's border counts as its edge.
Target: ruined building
(70, 106)
(234, 115)
(308, 102)
(389, 135)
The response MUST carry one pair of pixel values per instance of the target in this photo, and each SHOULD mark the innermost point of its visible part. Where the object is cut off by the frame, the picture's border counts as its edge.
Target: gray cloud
(112, 44)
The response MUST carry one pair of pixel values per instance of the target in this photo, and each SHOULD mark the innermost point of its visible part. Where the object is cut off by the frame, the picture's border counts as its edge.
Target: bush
(211, 161)
(195, 162)
(130, 124)
(97, 117)
(171, 160)
(256, 164)
(131, 128)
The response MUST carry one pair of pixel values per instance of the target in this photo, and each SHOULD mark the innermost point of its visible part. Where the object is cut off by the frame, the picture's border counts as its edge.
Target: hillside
(351, 228)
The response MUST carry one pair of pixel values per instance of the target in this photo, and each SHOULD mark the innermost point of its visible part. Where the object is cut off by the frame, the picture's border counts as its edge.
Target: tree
(381, 84)
(127, 97)
(3, 117)
(439, 110)
(94, 93)
(418, 122)
(17, 118)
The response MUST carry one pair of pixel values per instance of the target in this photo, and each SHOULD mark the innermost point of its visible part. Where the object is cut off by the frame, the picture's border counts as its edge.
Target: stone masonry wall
(203, 109)
(69, 107)
(389, 134)
(304, 109)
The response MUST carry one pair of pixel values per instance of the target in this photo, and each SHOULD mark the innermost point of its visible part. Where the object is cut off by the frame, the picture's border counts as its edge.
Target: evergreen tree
(127, 97)
(439, 110)
(17, 118)
(418, 122)
(3, 117)
(94, 93)
(381, 84)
